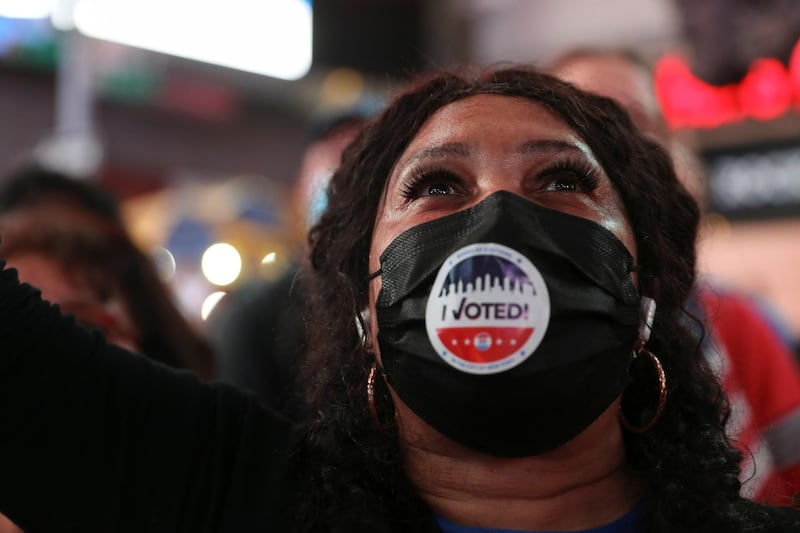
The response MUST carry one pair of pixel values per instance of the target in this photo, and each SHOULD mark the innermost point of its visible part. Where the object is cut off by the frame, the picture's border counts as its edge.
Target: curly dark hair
(688, 464)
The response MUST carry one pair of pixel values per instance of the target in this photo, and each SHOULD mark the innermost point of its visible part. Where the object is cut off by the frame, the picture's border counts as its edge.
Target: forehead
(499, 123)
(487, 115)
(47, 274)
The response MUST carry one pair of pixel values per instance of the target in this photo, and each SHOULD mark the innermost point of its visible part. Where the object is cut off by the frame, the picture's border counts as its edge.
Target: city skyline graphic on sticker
(488, 310)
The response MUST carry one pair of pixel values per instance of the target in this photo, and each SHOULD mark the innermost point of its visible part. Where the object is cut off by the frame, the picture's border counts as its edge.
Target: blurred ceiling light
(272, 37)
(210, 303)
(26, 9)
(221, 264)
(269, 258)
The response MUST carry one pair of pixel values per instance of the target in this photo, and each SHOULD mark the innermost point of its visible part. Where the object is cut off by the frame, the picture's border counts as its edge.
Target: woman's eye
(430, 183)
(571, 180)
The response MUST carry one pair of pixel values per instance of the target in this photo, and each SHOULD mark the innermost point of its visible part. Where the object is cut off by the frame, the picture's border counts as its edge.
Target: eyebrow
(546, 146)
(440, 152)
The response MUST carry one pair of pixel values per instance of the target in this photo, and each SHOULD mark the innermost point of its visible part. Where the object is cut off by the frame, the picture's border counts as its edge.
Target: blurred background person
(66, 237)
(755, 364)
(258, 331)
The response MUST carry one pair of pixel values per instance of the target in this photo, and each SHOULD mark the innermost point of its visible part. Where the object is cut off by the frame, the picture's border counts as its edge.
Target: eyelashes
(566, 175)
(437, 181)
(586, 175)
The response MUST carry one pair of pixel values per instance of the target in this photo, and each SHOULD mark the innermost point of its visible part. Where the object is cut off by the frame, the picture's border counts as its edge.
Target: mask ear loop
(362, 318)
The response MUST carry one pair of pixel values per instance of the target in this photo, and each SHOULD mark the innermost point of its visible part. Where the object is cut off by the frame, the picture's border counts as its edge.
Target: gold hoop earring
(373, 411)
(662, 395)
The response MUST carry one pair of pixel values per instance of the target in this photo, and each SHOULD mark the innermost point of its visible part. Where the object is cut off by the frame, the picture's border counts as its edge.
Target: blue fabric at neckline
(630, 522)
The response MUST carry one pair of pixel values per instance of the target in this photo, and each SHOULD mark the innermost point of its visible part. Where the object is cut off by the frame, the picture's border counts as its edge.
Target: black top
(109, 441)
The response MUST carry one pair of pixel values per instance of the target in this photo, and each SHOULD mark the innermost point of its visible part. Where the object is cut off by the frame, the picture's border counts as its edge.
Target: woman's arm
(93, 438)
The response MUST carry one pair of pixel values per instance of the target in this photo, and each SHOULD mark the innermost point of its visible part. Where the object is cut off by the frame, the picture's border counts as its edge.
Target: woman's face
(477, 146)
(76, 297)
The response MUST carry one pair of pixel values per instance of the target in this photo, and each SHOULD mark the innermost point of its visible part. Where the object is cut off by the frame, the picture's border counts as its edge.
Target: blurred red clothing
(762, 380)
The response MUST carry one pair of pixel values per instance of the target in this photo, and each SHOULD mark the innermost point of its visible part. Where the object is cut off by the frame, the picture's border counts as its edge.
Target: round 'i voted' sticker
(488, 309)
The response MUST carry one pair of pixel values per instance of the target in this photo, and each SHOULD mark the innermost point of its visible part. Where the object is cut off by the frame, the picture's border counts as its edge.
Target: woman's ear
(648, 314)
(362, 326)
(649, 288)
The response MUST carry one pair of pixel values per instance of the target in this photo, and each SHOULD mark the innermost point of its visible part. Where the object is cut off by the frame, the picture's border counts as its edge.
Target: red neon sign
(767, 91)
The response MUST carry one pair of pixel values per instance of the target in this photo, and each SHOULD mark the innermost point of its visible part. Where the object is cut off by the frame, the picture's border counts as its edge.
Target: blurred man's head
(628, 79)
(327, 139)
(618, 75)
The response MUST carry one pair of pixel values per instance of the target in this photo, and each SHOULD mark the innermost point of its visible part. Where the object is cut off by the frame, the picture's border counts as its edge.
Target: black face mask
(508, 327)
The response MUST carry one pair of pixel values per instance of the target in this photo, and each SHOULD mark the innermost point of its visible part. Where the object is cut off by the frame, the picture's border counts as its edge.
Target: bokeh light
(221, 264)
(210, 303)
(165, 262)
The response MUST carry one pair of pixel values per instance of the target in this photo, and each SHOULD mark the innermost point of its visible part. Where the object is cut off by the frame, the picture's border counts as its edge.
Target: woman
(66, 237)
(484, 353)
